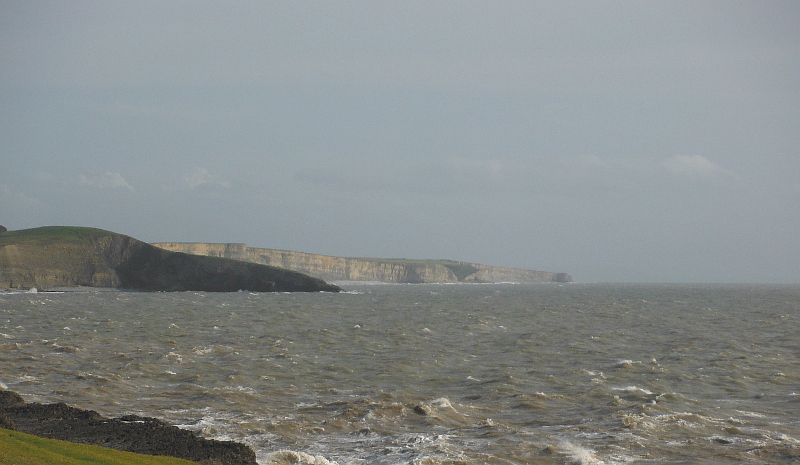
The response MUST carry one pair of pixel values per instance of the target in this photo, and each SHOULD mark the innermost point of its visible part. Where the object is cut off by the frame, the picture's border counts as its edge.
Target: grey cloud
(697, 166)
(201, 177)
(107, 180)
(12, 199)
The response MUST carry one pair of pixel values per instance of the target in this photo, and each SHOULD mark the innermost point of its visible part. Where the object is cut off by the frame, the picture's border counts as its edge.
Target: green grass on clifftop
(24, 449)
(48, 234)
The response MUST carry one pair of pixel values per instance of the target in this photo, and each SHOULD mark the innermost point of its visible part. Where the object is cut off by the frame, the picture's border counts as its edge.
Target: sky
(625, 141)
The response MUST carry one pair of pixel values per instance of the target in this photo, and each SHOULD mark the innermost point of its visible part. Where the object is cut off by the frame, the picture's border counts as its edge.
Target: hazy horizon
(622, 142)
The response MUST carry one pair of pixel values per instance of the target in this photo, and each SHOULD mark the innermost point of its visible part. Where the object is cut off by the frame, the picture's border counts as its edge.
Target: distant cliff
(59, 256)
(367, 269)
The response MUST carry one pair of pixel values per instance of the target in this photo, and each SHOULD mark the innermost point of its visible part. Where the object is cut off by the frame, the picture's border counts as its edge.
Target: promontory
(66, 256)
(332, 268)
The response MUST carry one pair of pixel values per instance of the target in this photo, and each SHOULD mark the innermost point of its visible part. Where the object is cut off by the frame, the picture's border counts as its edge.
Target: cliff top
(50, 234)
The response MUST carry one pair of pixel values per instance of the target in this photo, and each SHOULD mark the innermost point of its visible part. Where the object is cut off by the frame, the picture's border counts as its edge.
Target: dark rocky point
(130, 433)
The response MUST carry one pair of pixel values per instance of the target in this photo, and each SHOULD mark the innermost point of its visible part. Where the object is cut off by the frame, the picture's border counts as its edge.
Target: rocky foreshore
(130, 433)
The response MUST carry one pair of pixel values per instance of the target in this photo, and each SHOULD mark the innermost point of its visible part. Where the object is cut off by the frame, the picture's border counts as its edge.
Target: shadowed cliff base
(332, 268)
(62, 256)
(130, 433)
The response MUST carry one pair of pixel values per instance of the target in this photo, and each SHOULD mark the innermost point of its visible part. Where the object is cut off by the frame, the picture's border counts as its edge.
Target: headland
(331, 268)
(67, 256)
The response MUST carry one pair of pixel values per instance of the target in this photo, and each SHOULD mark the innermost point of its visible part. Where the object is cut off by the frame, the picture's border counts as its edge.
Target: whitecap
(633, 389)
(174, 356)
(442, 402)
(290, 457)
(627, 363)
(579, 455)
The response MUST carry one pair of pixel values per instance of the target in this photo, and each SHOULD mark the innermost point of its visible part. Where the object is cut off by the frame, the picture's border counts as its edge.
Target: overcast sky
(615, 141)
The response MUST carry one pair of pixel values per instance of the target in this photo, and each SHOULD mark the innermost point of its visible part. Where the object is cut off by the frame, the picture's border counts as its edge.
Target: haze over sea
(432, 374)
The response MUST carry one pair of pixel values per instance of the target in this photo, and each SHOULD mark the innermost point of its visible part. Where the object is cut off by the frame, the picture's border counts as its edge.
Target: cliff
(59, 256)
(332, 268)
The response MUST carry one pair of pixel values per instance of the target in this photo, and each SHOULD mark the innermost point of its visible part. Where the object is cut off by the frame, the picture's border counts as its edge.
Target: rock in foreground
(130, 433)
(58, 256)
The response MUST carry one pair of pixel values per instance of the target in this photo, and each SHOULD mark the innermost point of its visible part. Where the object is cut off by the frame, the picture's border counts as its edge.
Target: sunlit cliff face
(354, 269)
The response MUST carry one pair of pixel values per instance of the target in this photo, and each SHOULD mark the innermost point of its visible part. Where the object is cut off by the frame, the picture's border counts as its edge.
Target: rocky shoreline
(132, 433)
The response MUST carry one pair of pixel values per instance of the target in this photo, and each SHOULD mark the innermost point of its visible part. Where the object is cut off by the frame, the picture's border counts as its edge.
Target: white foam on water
(751, 414)
(353, 292)
(290, 457)
(442, 402)
(627, 363)
(579, 455)
(215, 349)
(633, 389)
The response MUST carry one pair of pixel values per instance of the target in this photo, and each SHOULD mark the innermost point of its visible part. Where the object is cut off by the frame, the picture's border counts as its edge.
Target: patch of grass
(24, 449)
(49, 234)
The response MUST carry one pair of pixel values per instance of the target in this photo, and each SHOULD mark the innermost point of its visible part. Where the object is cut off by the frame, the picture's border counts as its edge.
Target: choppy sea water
(432, 374)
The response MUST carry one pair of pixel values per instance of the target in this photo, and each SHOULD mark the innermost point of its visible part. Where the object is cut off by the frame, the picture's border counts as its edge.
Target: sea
(431, 374)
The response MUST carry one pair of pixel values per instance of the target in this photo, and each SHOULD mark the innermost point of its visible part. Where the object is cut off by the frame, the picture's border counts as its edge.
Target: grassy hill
(24, 449)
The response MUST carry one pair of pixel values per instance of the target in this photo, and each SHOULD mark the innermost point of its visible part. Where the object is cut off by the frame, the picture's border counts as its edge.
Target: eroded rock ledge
(131, 433)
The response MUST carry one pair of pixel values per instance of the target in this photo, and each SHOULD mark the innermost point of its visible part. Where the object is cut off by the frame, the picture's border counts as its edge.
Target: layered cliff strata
(332, 268)
(58, 256)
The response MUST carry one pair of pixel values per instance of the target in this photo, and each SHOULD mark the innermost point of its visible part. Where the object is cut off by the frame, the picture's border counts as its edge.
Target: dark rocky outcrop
(69, 256)
(130, 433)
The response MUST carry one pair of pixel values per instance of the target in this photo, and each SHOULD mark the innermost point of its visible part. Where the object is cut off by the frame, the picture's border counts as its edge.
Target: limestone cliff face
(67, 257)
(332, 268)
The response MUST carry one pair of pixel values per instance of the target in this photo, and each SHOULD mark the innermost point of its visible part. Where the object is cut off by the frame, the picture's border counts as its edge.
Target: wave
(290, 457)
(578, 454)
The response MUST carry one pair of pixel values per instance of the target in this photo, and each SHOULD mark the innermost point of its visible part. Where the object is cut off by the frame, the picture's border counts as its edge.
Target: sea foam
(290, 457)
(579, 455)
